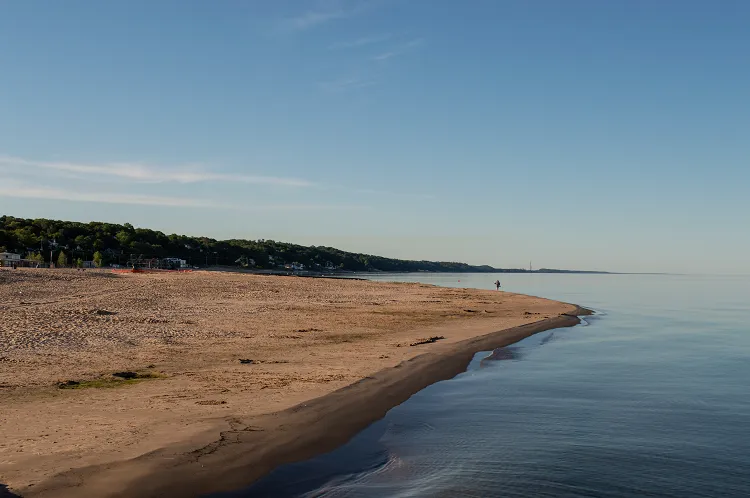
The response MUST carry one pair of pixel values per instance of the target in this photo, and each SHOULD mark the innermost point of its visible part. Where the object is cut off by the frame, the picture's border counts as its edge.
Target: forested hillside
(109, 243)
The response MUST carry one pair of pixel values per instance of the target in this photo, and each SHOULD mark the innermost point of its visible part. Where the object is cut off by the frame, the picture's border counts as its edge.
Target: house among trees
(13, 260)
(245, 262)
(174, 263)
(10, 259)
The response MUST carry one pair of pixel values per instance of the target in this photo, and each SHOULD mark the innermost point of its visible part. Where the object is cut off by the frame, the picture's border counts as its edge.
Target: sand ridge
(304, 338)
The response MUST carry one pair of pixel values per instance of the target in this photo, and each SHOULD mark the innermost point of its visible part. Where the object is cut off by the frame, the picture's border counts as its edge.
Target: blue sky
(579, 134)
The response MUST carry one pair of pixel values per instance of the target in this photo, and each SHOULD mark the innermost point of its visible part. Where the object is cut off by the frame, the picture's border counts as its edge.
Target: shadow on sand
(5, 492)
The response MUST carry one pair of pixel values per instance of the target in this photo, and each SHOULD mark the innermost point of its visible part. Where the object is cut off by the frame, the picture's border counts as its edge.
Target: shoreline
(358, 273)
(245, 451)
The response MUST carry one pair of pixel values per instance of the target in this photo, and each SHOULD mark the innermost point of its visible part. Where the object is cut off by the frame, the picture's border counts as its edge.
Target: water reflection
(500, 354)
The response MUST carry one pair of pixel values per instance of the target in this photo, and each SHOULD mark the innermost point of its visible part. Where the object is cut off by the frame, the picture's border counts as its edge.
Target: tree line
(73, 243)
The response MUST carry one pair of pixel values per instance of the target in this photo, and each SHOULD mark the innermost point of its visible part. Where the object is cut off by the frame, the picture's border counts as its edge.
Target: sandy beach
(234, 374)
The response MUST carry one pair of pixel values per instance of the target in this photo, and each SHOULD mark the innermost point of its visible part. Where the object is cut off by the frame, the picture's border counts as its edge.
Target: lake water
(651, 398)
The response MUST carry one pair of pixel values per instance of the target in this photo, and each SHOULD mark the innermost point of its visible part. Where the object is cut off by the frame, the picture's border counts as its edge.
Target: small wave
(345, 484)
(595, 315)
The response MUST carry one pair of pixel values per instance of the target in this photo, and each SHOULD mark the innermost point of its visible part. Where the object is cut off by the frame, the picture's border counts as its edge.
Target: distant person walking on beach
(497, 284)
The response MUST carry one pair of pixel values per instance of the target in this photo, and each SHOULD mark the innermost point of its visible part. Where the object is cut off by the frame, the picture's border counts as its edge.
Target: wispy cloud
(399, 50)
(345, 84)
(384, 56)
(312, 18)
(10, 188)
(143, 173)
(13, 188)
(323, 12)
(361, 42)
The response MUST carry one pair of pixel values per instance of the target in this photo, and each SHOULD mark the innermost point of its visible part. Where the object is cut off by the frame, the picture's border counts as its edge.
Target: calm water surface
(651, 398)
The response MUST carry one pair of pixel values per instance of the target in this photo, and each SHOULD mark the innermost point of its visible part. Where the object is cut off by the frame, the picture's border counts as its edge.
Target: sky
(578, 134)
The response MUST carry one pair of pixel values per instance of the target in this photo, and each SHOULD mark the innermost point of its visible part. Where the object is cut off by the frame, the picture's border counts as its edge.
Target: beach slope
(236, 373)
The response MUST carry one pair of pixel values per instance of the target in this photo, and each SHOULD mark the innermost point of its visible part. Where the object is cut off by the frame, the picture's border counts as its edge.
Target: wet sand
(327, 357)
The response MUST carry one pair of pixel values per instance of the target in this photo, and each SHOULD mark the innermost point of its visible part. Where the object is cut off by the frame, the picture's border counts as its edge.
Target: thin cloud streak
(400, 50)
(11, 188)
(147, 174)
(19, 190)
(322, 12)
(102, 175)
(384, 56)
(361, 42)
(346, 84)
(326, 11)
(311, 19)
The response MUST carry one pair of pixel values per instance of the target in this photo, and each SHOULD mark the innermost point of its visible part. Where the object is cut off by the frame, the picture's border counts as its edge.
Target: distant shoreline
(349, 274)
(127, 247)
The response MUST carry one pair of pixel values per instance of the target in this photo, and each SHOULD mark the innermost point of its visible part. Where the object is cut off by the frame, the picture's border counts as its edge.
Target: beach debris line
(102, 312)
(114, 380)
(125, 375)
(268, 362)
(429, 340)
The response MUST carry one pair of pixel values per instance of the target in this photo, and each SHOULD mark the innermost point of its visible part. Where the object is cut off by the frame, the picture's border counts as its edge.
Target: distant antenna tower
(530, 266)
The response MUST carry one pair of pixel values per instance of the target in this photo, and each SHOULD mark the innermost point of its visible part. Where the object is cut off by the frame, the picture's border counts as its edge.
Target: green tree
(35, 256)
(26, 237)
(123, 238)
(84, 242)
(79, 263)
(62, 260)
(98, 259)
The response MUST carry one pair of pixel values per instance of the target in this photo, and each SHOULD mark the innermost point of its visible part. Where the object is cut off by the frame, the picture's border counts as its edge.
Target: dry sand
(306, 338)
